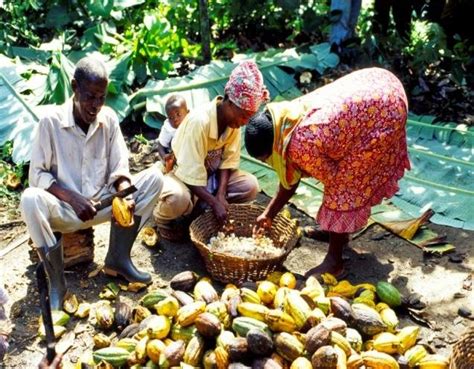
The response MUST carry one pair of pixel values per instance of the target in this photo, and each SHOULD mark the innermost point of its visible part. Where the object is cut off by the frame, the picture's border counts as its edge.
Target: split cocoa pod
(122, 212)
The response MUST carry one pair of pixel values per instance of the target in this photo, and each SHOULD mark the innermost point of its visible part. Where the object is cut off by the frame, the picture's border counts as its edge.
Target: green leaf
(153, 121)
(119, 103)
(58, 16)
(124, 4)
(325, 58)
(17, 119)
(59, 79)
(442, 174)
(29, 53)
(101, 8)
(119, 70)
(205, 83)
(94, 37)
(208, 81)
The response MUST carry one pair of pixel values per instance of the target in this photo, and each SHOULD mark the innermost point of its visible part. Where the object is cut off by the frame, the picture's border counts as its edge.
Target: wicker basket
(78, 247)
(229, 268)
(462, 356)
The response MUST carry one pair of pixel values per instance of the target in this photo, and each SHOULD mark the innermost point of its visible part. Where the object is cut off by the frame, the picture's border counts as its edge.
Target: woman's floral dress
(353, 140)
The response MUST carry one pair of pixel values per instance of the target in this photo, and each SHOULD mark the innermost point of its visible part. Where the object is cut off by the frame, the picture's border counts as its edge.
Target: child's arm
(162, 152)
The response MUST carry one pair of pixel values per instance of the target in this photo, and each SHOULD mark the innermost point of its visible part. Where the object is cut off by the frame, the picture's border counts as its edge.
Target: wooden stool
(78, 247)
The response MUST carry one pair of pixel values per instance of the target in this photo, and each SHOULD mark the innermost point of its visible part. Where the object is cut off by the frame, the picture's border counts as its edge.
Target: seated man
(207, 151)
(79, 157)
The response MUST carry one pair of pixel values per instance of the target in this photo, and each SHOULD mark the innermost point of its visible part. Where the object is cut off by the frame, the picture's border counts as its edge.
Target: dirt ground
(375, 255)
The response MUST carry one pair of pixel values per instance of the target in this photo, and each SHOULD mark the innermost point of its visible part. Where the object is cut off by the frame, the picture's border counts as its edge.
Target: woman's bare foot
(328, 265)
(332, 263)
(316, 233)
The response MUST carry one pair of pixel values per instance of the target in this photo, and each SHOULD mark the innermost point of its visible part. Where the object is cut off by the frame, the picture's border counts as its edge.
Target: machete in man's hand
(102, 204)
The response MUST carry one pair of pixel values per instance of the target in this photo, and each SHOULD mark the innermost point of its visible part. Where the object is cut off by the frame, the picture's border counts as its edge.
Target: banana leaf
(442, 174)
(17, 119)
(206, 82)
(59, 79)
(19, 97)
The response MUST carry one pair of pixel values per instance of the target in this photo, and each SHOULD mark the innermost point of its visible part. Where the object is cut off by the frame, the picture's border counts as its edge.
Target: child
(176, 110)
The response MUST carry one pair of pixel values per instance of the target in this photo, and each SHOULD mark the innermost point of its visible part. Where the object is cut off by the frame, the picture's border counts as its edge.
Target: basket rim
(203, 247)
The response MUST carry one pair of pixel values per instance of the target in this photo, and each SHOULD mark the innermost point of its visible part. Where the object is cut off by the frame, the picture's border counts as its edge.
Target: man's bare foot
(328, 266)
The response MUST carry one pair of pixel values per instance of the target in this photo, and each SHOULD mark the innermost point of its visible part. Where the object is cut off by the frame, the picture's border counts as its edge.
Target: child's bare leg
(332, 263)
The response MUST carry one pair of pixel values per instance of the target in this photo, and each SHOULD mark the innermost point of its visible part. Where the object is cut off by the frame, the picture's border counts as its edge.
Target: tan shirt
(87, 164)
(196, 136)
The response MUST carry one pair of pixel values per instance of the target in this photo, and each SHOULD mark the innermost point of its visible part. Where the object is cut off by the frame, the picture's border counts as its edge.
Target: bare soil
(442, 285)
(375, 255)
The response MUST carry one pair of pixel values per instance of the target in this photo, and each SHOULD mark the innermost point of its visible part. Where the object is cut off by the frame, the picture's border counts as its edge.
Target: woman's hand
(263, 225)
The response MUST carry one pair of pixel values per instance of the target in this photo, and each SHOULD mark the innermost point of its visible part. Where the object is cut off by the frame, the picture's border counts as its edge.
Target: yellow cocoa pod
(159, 327)
(266, 291)
(415, 354)
(101, 341)
(297, 307)
(154, 348)
(274, 277)
(389, 317)
(379, 360)
(408, 336)
(301, 363)
(222, 358)
(386, 342)
(168, 307)
(279, 321)
(122, 212)
(187, 314)
(329, 279)
(433, 362)
(343, 288)
(288, 280)
(280, 296)
(251, 310)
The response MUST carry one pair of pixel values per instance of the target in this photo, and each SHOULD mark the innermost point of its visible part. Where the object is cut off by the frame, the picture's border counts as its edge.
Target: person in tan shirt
(78, 158)
(207, 151)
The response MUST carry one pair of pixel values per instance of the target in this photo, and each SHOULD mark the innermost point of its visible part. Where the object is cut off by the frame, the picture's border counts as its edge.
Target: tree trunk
(205, 31)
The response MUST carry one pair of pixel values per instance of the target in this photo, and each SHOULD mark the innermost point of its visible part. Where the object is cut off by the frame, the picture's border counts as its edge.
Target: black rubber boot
(53, 260)
(118, 261)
